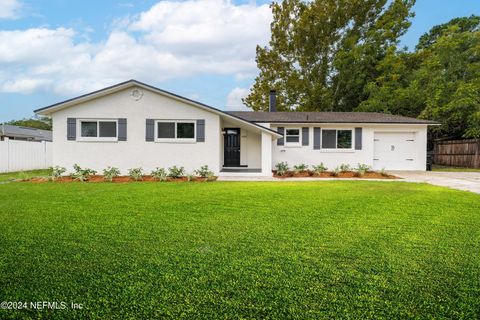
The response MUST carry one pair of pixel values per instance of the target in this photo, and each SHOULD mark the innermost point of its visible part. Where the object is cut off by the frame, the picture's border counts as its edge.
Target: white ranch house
(133, 124)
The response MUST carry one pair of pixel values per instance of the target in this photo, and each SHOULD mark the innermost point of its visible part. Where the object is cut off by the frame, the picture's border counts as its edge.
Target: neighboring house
(132, 124)
(24, 133)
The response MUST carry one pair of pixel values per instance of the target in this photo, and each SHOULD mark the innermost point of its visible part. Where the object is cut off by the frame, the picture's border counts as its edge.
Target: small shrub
(383, 172)
(136, 174)
(361, 169)
(110, 173)
(336, 172)
(176, 172)
(159, 174)
(282, 168)
(190, 177)
(344, 168)
(318, 169)
(56, 172)
(300, 168)
(82, 174)
(204, 172)
(211, 178)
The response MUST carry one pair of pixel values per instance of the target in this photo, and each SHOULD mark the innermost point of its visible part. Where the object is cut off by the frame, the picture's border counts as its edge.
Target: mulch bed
(348, 174)
(120, 179)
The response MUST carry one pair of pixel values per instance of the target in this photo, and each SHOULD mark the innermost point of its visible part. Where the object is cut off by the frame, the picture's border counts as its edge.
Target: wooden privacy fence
(17, 155)
(457, 153)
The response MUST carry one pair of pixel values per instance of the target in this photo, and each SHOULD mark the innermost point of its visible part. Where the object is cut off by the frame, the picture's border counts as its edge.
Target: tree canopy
(44, 123)
(330, 55)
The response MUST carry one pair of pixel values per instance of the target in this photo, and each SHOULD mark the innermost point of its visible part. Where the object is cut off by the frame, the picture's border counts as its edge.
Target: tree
(449, 80)
(439, 81)
(44, 123)
(323, 53)
(394, 90)
(464, 24)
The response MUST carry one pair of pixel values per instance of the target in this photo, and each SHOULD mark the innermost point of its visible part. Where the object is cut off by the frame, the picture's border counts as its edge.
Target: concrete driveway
(468, 181)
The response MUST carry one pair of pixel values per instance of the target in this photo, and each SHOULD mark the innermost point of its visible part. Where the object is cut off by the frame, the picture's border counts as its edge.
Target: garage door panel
(394, 150)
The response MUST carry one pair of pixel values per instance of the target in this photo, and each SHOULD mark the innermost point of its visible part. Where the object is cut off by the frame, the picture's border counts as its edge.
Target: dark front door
(231, 147)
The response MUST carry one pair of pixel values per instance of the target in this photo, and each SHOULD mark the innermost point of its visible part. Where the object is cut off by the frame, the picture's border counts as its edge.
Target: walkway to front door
(231, 147)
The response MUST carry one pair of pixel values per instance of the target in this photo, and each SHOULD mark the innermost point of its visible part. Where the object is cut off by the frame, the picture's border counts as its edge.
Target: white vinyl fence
(17, 155)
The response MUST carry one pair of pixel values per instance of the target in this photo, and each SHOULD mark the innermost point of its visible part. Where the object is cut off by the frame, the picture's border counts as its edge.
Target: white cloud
(9, 9)
(170, 40)
(234, 100)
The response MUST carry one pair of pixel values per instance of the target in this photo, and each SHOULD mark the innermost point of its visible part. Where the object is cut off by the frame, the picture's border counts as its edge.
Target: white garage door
(394, 150)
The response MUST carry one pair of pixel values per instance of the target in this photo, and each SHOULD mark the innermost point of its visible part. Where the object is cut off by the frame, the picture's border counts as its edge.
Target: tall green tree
(449, 80)
(463, 24)
(323, 53)
(439, 81)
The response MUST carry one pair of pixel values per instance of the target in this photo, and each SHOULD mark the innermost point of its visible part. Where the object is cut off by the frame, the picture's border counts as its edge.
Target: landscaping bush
(136, 174)
(344, 168)
(282, 168)
(336, 171)
(319, 169)
(383, 172)
(110, 173)
(82, 174)
(160, 174)
(204, 172)
(56, 172)
(361, 170)
(300, 168)
(176, 172)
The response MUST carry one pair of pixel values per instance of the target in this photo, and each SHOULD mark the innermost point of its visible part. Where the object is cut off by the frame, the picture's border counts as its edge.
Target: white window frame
(176, 140)
(96, 139)
(293, 144)
(336, 149)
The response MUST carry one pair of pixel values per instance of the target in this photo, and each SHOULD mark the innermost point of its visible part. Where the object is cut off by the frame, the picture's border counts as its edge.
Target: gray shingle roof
(25, 132)
(327, 117)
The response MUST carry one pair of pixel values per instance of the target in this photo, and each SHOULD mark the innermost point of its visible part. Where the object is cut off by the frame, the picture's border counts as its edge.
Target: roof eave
(349, 122)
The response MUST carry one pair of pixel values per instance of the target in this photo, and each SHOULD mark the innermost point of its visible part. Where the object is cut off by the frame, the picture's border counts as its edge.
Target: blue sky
(51, 50)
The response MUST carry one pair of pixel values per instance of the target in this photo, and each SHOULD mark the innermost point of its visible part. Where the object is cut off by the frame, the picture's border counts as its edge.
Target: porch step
(241, 170)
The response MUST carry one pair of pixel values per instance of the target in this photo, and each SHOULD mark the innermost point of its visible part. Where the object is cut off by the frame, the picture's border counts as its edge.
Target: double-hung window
(336, 139)
(98, 130)
(292, 136)
(175, 130)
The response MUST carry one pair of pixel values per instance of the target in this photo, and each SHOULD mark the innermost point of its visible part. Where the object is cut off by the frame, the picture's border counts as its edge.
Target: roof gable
(48, 110)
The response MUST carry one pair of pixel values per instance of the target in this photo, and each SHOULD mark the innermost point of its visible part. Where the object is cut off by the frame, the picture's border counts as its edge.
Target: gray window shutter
(281, 141)
(316, 138)
(200, 130)
(150, 130)
(122, 129)
(358, 138)
(305, 137)
(71, 128)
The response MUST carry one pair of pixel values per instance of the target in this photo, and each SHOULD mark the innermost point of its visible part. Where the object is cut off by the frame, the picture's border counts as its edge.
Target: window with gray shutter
(281, 141)
(200, 130)
(149, 130)
(316, 138)
(122, 129)
(358, 138)
(71, 128)
(305, 136)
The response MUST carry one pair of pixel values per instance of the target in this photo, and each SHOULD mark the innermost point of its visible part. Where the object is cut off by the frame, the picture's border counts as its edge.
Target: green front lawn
(453, 169)
(19, 175)
(305, 250)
